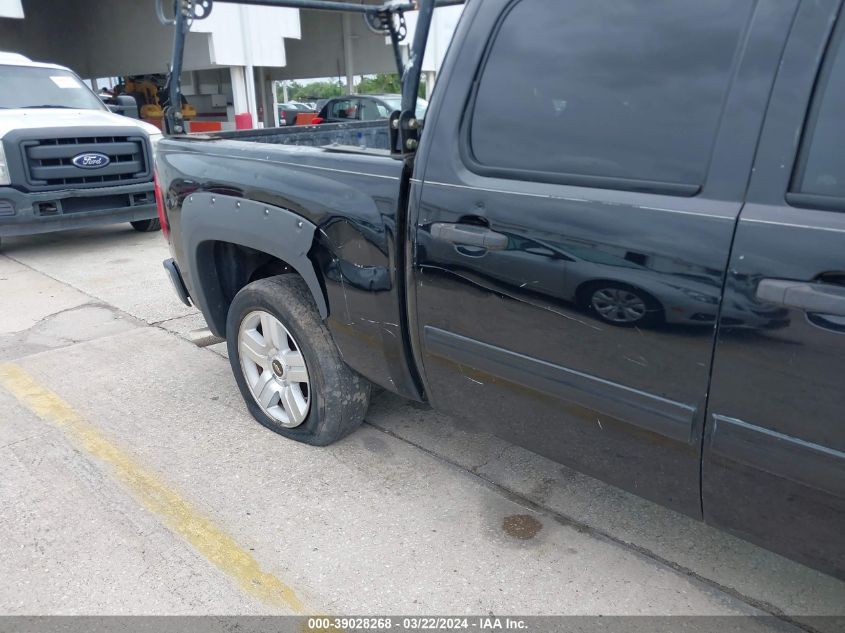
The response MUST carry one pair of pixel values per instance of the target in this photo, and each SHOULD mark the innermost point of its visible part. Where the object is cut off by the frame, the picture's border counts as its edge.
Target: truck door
(610, 142)
(774, 459)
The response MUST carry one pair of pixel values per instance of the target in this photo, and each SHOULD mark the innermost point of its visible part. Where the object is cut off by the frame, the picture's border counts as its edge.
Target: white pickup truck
(66, 160)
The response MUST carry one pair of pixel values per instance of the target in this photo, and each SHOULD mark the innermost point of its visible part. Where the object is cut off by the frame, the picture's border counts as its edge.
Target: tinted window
(612, 88)
(371, 111)
(821, 169)
(395, 103)
(343, 109)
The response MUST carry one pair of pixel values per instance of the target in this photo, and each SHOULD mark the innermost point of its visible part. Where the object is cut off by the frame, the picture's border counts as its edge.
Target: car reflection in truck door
(615, 287)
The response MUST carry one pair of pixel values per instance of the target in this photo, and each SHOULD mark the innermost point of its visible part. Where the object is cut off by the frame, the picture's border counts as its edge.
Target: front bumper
(24, 213)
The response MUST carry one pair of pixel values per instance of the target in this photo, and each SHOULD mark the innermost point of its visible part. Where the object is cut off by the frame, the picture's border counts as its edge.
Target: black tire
(652, 317)
(339, 396)
(146, 226)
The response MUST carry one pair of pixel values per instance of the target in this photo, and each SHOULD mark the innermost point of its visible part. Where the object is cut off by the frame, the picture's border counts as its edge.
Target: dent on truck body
(345, 250)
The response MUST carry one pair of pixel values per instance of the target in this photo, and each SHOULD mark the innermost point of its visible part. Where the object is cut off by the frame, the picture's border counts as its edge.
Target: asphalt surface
(132, 481)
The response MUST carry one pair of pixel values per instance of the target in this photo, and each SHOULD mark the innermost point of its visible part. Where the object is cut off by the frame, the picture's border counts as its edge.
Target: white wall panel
(11, 9)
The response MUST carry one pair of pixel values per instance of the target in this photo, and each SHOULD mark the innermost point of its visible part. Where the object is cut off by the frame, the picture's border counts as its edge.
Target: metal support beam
(404, 125)
(251, 98)
(348, 56)
(174, 122)
(267, 108)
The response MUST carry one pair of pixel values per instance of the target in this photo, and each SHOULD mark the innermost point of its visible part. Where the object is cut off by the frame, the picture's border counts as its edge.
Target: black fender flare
(210, 217)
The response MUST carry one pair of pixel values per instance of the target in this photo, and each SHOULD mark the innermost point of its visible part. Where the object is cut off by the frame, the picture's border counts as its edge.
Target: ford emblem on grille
(90, 160)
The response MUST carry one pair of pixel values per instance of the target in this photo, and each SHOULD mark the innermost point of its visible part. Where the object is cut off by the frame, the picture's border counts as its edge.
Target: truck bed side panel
(352, 200)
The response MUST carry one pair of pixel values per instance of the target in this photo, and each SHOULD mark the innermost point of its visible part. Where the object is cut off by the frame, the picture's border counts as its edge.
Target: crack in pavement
(95, 298)
(65, 328)
(25, 439)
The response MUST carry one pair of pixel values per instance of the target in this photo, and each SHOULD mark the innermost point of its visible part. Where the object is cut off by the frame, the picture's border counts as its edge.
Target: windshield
(28, 87)
(395, 103)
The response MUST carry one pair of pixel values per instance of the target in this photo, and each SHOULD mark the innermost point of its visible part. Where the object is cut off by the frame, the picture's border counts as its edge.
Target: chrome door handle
(810, 297)
(469, 235)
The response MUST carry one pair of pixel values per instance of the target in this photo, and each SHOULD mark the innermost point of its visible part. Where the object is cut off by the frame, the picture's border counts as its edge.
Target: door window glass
(620, 89)
(370, 111)
(821, 165)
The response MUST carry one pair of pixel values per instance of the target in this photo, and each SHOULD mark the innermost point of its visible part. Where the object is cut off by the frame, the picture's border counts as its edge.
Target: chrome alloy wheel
(274, 368)
(618, 305)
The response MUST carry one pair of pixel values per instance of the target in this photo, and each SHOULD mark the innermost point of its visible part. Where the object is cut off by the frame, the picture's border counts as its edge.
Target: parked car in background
(686, 168)
(364, 108)
(620, 288)
(289, 111)
(66, 160)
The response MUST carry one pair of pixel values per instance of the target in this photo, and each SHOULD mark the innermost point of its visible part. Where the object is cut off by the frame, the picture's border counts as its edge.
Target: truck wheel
(286, 364)
(146, 226)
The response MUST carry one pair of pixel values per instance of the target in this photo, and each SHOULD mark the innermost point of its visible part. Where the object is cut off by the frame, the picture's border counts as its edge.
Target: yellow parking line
(200, 531)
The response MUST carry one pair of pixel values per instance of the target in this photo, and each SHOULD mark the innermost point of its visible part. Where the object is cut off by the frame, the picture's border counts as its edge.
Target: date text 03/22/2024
(420, 623)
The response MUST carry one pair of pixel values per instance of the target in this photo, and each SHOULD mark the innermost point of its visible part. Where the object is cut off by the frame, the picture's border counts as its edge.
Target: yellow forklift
(145, 90)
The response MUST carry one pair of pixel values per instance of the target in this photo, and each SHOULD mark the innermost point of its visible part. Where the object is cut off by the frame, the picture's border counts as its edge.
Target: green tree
(384, 83)
(311, 90)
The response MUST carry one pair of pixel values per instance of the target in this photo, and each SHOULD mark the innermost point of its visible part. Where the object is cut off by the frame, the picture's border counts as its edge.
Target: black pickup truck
(642, 275)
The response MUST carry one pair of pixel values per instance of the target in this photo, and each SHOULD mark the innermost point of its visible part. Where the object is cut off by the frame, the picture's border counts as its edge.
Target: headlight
(700, 296)
(154, 139)
(5, 179)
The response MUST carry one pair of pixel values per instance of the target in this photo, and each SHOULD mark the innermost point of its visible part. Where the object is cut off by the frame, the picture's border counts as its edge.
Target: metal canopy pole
(413, 69)
(173, 120)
